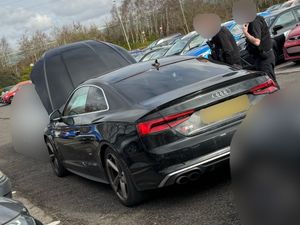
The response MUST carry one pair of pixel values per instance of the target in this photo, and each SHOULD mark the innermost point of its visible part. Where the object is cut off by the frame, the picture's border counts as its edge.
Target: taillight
(161, 124)
(265, 88)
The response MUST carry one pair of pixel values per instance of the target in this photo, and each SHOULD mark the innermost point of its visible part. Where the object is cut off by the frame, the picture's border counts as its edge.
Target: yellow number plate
(225, 109)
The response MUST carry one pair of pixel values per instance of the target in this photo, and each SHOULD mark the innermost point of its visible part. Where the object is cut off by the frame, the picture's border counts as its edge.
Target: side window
(298, 12)
(96, 100)
(77, 103)
(196, 42)
(286, 19)
(236, 30)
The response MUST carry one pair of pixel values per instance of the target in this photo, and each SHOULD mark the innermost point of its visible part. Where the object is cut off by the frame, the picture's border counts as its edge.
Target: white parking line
(54, 223)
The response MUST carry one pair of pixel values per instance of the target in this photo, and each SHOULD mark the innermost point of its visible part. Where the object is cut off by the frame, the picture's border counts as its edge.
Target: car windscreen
(154, 83)
(159, 54)
(153, 44)
(177, 47)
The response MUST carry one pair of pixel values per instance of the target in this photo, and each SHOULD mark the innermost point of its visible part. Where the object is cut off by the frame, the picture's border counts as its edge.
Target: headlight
(22, 220)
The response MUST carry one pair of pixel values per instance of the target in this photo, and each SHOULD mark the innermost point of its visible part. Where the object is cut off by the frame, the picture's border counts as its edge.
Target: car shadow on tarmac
(3, 105)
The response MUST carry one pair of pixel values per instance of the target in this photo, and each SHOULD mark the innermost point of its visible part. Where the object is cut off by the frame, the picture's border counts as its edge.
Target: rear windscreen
(153, 83)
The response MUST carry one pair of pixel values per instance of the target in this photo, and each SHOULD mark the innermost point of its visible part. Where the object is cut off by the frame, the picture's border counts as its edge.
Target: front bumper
(5, 187)
(290, 50)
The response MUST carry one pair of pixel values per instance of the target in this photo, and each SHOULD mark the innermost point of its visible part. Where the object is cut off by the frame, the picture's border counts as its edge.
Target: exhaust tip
(182, 180)
(194, 176)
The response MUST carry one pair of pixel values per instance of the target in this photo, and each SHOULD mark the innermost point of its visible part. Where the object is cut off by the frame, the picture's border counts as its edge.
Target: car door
(287, 21)
(89, 139)
(68, 131)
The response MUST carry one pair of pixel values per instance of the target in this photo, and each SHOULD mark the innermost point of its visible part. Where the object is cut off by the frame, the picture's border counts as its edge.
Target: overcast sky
(19, 16)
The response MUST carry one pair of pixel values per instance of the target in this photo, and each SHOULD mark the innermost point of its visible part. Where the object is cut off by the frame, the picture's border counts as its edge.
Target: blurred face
(244, 11)
(207, 25)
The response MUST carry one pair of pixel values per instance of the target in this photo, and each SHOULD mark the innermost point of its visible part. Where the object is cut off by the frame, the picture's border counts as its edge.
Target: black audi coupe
(152, 124)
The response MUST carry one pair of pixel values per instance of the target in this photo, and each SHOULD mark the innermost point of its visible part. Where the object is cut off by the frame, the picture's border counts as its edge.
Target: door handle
(77, 132)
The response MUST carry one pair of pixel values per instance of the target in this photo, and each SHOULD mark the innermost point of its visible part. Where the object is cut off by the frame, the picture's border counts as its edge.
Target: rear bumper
(198, 164)
(194, 154)
(5, 187)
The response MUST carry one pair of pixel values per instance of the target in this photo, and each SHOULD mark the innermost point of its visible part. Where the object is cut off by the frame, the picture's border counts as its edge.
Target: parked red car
(292, 45)
(8, 97)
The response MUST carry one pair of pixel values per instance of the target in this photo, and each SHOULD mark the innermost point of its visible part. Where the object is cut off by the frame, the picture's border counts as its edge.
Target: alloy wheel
(53, 158)
(116, 176)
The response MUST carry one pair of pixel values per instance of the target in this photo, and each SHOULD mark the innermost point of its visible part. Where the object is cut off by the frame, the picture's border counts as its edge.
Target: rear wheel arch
(103, 149)
(133, 196)
(55, 161)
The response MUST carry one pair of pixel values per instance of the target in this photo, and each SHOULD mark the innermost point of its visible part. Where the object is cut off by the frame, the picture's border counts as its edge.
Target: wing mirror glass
(55, 116)
(68, 120)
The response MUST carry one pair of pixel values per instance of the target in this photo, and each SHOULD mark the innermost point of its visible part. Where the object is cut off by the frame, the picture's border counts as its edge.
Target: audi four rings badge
(221, 93)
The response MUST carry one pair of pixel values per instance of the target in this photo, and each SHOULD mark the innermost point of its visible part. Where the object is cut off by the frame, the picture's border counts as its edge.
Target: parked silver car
(13, 212)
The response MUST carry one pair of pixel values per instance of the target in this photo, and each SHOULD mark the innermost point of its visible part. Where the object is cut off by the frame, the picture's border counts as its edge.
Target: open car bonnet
(62, 69)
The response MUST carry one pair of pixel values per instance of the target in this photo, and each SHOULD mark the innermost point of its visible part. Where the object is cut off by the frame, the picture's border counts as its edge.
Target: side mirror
(277, 28)
(69, 121)
(55, 116)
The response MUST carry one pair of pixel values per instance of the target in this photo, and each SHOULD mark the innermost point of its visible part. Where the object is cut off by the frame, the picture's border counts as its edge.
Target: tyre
(120, 180)
(56, 164)
(10, 100)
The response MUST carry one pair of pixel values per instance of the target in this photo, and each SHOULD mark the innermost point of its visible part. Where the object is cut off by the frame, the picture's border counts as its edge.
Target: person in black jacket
(224, 48)
(259, 45)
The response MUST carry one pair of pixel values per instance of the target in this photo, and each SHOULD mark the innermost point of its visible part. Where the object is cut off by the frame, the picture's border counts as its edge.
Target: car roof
(189, 35)
(159, 41)
(24, 82)
(135, 69)
(229, 23)
(279, 11)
